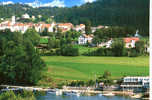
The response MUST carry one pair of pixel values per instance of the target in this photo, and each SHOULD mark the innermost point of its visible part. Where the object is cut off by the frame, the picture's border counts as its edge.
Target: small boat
(108, 94)
(100, 94)
(78, 94)
(58, 92)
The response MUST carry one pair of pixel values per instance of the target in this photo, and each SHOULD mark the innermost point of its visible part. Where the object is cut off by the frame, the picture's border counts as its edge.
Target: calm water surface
(49, 96)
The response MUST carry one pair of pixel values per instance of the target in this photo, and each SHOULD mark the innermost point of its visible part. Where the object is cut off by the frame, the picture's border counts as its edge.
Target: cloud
(88, 1)
(54, 3)
(7, 3)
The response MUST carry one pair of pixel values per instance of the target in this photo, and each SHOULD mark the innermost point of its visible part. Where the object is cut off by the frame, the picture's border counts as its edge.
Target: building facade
(136, 84)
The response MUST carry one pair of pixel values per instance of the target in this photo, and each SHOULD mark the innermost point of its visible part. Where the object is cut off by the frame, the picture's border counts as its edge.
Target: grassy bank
(84, 68)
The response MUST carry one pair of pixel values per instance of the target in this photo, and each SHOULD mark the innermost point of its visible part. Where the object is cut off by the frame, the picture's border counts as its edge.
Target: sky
(52, 3)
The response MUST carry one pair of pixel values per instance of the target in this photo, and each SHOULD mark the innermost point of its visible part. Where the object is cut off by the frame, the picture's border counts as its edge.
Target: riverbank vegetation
(10, 95)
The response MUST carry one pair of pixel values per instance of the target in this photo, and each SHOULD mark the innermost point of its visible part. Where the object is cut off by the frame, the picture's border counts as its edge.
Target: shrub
(69, 50)
(132, 53)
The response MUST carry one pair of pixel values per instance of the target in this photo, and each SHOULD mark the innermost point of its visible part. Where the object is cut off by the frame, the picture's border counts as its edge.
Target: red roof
(66, 24)
(129, 39)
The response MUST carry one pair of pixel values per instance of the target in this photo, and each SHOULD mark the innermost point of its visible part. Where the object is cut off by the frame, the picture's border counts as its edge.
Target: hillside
(131, 13)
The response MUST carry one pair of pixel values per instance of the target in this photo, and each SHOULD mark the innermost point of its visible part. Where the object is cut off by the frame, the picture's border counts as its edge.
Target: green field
(84, 68)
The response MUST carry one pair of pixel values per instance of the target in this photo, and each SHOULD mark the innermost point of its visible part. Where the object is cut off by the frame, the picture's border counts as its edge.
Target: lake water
(49, 96)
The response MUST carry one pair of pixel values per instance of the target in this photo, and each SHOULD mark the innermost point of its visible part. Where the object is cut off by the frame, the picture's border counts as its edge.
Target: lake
(50, 96)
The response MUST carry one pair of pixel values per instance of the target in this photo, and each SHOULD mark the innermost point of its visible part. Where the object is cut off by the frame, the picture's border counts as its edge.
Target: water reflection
(50, 96)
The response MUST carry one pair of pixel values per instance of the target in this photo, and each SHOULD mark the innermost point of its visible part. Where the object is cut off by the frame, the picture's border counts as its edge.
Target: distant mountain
(131, 13)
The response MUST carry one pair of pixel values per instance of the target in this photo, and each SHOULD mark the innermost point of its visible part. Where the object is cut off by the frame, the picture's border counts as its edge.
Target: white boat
(78, 94)
(58, 92)
(108, 94)
(100, 94)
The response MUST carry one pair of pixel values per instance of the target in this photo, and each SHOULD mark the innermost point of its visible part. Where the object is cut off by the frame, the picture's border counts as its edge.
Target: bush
(132, 53)
(118, 47)
(69, 50)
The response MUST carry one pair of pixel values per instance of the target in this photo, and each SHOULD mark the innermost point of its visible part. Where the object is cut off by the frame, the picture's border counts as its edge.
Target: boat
(78, 94)
(108, 94)
(58, 92)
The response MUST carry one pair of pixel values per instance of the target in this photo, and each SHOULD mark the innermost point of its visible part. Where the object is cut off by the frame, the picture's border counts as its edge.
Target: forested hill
(134, 13)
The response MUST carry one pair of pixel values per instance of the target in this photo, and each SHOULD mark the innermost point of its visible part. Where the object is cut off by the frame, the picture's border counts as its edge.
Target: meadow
(85, 68)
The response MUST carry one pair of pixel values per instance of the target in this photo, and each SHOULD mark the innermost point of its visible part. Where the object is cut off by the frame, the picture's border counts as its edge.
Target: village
(83, 39)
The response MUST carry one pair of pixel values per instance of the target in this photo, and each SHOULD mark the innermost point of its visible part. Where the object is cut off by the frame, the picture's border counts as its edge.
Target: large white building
(135, 83)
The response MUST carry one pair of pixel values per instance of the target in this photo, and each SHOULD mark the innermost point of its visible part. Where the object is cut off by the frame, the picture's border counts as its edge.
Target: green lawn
(84, 68)
(43, 40)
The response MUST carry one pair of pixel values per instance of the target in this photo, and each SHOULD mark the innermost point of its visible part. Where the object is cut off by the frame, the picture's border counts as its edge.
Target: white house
(135, 83)
(84, 39)
(130, 42)
(26, 16)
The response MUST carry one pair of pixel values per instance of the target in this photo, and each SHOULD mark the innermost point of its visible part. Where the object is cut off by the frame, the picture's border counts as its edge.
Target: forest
(130, 13)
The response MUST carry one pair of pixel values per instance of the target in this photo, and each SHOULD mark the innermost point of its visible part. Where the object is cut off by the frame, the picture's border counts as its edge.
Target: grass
(84, 68)
(43, 40)
(84, 49)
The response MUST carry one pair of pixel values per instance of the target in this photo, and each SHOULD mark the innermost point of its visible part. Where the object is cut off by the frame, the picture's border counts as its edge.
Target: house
(33, 17)
(25, 16)
(130, 41)
(65, 26)
(80, 27)
(136, 84)
(41, 26)
(84, 39)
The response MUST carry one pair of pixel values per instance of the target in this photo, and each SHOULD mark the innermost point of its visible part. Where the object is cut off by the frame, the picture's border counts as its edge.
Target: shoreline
(86, 92)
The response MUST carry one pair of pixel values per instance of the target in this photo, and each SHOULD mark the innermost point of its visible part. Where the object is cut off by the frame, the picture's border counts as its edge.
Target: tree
(32, 35)
(140, 47)
(69, 50)
(45, 32)
(118, 47)
(20, 63)
(57, 43)
(51, 43)
(88, 27)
